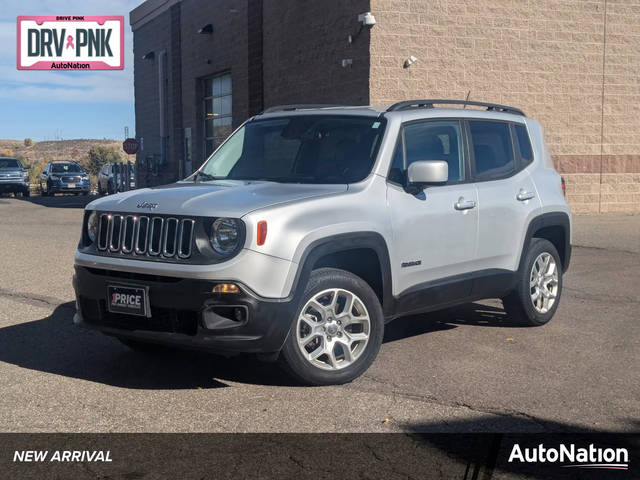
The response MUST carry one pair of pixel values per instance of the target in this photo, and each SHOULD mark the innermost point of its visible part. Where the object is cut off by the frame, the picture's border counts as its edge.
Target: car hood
(229, 198)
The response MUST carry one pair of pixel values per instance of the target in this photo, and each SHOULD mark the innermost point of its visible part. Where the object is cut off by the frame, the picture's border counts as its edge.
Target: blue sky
(45, 105)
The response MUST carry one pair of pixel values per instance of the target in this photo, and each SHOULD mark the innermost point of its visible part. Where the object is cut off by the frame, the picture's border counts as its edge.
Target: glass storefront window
(217, 111)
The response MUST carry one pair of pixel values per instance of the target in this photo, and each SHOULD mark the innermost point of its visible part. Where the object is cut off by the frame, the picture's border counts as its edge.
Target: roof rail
(430, 104)
(302, 106)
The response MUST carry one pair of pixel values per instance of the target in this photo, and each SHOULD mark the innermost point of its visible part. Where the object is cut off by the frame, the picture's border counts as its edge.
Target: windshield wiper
(283, 179)
(205, 176)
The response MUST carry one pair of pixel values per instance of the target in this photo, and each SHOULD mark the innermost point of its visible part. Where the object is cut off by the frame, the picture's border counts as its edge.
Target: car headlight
(225, 235)
(92, 226)
(55, 177)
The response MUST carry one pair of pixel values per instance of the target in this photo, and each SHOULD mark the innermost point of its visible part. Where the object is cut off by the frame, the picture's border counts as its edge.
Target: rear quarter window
(524, 145)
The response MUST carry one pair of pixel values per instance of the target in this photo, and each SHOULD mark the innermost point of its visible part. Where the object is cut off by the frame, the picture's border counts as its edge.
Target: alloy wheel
(333, 329)
(543, 282)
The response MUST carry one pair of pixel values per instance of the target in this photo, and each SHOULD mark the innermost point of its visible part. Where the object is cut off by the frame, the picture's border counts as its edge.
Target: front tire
(337, 331)
(535, 299)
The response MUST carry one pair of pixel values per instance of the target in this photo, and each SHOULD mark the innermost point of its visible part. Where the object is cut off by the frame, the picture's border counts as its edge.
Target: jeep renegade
(310, 227)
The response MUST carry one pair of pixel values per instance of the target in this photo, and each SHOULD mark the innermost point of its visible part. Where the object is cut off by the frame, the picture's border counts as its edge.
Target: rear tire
(328, 343)
(535, 299)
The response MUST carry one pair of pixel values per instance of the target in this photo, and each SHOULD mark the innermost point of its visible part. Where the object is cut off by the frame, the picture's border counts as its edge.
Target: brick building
(204, 66)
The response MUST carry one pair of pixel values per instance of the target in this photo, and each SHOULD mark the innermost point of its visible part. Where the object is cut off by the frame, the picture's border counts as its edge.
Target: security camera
(367, 19)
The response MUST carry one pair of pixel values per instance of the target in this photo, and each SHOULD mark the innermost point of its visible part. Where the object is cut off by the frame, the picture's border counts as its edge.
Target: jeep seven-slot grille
(168, 237)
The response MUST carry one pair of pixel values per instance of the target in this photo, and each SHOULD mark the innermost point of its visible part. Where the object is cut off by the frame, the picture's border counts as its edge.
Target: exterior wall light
(410, 61)
(149, 56)
(206, 30)
(366, 20)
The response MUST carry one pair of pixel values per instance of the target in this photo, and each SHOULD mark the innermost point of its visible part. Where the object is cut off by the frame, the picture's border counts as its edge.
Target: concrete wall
(558, 60)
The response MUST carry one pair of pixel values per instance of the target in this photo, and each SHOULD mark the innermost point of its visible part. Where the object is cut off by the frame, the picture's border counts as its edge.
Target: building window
(217, 111)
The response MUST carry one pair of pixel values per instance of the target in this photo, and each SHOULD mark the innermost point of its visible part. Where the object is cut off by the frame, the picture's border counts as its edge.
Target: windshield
(9, 163)
(66, 168)
(298, 149)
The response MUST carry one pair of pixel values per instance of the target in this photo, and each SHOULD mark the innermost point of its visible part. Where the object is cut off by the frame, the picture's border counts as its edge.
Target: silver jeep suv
(311, 227)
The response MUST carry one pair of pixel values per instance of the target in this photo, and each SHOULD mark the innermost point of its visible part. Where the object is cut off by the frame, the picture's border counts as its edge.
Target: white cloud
(82, 87)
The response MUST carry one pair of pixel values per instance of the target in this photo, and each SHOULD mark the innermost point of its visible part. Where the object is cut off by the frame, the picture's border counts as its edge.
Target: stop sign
(130, 145)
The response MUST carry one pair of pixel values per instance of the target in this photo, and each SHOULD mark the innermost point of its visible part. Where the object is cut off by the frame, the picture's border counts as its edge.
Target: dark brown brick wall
(204, 55)
(146, 89)
(174, 58)
(278, 52)
(304, 44)
(255, 70)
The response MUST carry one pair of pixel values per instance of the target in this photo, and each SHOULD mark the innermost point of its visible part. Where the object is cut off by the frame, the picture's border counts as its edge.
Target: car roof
(291, 110)
(407, 111)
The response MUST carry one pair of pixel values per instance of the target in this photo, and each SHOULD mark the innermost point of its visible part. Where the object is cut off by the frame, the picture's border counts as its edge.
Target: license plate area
(128, 300)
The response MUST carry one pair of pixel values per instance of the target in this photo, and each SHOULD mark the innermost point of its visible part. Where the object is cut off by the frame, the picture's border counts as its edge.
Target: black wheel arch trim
(551, 219)
(340, 243)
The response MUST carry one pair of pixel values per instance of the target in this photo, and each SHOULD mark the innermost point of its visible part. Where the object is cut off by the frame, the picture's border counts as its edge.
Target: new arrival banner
(79, 42)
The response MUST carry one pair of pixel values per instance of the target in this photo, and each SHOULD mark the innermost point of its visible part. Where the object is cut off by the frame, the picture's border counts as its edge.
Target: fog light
(226, 288)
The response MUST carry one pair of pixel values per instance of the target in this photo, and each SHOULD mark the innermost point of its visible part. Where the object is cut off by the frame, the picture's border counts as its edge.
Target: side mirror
(423, 173)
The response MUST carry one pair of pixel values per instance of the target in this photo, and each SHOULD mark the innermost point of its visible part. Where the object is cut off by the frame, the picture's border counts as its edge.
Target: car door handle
(523, 195)
(463, 204)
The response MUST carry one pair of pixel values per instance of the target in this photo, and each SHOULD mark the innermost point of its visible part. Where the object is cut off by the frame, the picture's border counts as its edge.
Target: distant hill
(43, 152)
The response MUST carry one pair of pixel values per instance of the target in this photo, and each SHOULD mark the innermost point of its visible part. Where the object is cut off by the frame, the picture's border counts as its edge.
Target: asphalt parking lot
(461, 370)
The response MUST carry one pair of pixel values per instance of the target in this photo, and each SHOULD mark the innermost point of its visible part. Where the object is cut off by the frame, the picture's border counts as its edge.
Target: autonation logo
(575, 457)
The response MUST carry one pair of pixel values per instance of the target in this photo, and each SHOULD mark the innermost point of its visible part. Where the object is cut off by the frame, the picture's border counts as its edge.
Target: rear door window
(492, 149)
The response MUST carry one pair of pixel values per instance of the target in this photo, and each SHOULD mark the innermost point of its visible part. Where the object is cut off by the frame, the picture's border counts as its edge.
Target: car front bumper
(185, 313)
(63, 187)
(13, 186)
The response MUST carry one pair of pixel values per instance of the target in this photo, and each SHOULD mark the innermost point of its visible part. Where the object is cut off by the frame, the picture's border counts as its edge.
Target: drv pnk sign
(70, 42)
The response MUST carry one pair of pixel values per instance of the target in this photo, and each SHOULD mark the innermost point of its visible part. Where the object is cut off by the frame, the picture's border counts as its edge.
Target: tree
(98, 156)
(28, 142)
